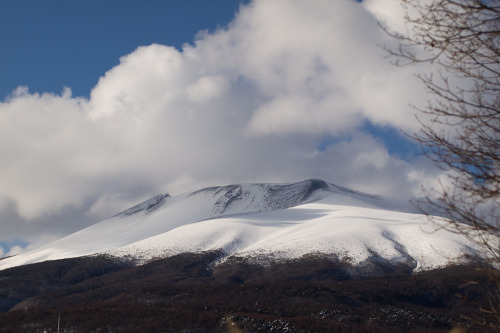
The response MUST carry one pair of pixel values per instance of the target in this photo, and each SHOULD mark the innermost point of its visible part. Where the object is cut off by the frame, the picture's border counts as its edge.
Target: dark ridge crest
(147, 206)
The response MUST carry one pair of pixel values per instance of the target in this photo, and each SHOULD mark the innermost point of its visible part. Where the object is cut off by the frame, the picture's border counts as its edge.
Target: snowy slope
(353, 233)
(262, 222)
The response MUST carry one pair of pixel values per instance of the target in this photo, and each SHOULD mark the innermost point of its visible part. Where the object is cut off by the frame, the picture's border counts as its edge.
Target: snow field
(265, 221)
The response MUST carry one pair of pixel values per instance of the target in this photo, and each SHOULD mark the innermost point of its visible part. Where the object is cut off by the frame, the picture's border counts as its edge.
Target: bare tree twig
(462, 38)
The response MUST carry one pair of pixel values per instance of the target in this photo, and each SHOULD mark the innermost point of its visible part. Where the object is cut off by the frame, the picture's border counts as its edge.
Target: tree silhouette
(461, 130)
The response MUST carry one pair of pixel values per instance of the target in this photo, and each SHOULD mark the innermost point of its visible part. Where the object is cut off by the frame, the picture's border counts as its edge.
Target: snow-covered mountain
(263, 222)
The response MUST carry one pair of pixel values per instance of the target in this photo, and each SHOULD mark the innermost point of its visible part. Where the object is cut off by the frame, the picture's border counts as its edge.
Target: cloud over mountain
(250, 102)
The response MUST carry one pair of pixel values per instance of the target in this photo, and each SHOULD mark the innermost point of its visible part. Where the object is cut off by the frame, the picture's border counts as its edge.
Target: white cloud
(248, 103)
(16, 249)
(37, 132)
(207, 88)
(390, 13)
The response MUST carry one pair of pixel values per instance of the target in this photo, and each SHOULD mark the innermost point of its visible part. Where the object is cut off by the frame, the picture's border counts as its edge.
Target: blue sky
(47, 45)
(107, 103)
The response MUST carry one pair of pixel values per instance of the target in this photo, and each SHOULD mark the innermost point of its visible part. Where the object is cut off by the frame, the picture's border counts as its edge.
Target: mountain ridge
(262, 222)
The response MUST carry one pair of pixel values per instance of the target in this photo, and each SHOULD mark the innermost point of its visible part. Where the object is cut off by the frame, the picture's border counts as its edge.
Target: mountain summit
(262, 223)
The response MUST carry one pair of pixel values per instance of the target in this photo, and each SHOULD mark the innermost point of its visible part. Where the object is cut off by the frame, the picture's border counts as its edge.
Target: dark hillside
(187, 293)
(20, 283)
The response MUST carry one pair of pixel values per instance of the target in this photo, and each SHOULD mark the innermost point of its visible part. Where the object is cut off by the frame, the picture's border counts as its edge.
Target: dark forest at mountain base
(188, 293)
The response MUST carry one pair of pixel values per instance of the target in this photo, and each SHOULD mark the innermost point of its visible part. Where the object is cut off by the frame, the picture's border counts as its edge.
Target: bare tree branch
(461, 37)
